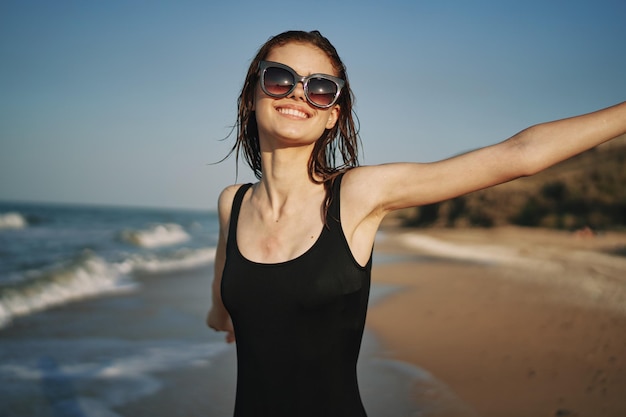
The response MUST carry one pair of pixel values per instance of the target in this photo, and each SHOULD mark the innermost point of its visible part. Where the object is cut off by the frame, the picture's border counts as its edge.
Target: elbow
(526, 159)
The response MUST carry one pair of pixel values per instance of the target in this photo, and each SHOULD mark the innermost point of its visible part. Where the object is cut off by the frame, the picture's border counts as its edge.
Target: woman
(293, 262)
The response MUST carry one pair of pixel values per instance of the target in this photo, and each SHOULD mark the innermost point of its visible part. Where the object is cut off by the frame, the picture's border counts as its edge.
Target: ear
(333, 116)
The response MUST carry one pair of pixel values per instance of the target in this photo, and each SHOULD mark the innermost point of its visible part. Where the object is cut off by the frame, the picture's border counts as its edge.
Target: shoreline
(517, 322)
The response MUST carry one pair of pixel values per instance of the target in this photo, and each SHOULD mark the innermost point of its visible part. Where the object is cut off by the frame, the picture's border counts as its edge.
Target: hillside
(587, 190)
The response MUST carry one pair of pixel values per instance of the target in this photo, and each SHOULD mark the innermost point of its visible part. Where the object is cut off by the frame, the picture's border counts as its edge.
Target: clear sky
(125, 102)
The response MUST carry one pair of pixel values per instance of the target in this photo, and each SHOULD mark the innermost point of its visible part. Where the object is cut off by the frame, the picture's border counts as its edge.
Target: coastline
(517, 322)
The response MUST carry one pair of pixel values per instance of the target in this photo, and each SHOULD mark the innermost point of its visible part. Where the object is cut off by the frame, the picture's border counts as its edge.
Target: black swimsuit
(298, 325)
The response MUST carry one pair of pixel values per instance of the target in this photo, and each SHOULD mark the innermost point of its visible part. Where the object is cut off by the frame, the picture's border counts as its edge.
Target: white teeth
(293, 112)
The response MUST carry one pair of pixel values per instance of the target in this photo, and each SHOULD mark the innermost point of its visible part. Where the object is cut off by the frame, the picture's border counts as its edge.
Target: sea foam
(157, 235)
(12, 220)
(183, 259)
(86, 276)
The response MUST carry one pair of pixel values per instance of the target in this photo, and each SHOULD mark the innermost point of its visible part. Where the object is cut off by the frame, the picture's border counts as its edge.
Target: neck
(285, 179)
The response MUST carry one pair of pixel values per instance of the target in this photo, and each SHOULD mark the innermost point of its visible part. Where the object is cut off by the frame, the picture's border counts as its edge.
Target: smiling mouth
(293, 112)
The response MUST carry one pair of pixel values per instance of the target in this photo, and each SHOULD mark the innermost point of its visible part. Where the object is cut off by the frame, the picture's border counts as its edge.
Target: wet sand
(515, 322)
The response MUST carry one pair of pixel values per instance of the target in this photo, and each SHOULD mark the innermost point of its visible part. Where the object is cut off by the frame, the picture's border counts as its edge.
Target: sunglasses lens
(277, 81)
(321, 91)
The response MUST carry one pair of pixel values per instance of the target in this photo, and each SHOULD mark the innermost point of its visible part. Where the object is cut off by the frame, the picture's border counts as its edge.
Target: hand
(219, 320)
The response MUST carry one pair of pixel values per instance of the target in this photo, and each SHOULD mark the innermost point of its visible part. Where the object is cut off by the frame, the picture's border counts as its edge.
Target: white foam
(488, 254)
(157, 235)
(12, 220)
(181, 260)
(480, 253)
(88, 276)
(583, 276)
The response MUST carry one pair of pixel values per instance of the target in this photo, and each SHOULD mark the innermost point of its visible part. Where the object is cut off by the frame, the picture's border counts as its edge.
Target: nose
(298, 92)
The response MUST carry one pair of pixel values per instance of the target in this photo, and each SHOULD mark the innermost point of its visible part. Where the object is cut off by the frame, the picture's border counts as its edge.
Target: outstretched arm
(396, 186)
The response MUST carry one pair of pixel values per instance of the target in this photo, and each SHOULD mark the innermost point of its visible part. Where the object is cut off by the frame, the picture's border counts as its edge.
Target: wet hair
(340, 141)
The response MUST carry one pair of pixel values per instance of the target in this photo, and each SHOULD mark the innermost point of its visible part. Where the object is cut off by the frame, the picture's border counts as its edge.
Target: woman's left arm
(394, 186)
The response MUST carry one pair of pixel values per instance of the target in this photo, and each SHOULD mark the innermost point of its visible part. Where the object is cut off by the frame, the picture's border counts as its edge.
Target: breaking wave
(88, 276)
(12, 220)
(157, 235)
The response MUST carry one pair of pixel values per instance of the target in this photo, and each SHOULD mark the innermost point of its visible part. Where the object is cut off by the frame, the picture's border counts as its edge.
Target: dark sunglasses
(279, 80)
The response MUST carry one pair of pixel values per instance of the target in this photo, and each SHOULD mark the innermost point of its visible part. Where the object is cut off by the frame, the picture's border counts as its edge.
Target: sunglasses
(279, 80)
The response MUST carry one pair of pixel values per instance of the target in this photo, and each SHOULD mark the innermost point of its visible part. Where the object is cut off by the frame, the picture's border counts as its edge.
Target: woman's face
(292, 120)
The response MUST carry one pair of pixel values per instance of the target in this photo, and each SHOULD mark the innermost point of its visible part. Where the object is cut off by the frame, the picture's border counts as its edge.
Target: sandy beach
(516, 322)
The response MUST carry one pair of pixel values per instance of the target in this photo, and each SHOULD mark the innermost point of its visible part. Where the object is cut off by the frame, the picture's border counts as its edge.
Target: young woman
(292, 269)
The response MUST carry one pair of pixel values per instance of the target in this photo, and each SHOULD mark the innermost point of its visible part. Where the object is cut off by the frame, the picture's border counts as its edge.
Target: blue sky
(125, 102)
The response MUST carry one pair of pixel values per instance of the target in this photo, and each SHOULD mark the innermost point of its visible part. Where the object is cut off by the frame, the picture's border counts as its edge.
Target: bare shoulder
(227, 195)
(362, 178)
(361, 193)
(369, 186)
(225, 203)
(354, 183)
(369, 176)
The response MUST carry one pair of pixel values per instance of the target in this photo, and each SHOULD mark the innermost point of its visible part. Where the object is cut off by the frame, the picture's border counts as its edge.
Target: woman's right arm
(218, 318)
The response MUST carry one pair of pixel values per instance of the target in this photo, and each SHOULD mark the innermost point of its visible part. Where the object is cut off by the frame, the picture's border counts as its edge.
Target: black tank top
(298, 325)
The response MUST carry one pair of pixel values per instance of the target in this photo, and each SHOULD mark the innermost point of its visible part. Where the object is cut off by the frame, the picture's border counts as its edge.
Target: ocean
(56, 254)
(81, 333)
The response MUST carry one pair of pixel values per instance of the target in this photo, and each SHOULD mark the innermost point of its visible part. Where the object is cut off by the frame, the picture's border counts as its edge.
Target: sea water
(60, 363)
(56, 254)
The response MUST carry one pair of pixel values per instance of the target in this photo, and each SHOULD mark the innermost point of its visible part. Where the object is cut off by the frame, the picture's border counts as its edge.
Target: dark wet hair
(340, 141)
